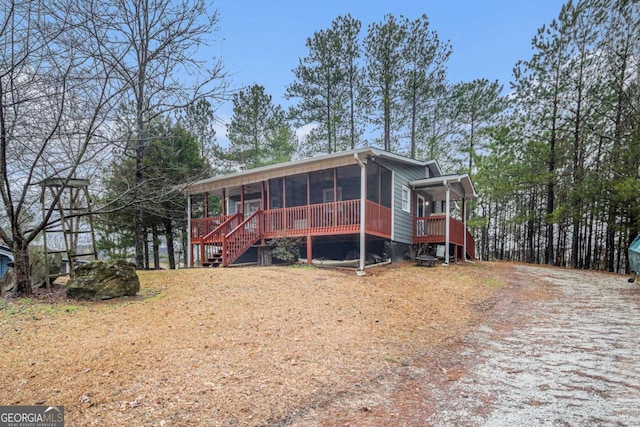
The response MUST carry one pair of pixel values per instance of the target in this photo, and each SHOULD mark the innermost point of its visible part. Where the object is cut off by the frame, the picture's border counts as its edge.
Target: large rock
(38, 269)
(38, 266)
(98, 280)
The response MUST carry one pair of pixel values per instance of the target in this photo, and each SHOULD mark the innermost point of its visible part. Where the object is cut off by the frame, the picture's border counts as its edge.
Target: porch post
(464, 229)
(189, 248)
(223, 204)
(309, 252)
(363, 209)
(267, 202)
(242, 199)
(263, 204)
(447, 226)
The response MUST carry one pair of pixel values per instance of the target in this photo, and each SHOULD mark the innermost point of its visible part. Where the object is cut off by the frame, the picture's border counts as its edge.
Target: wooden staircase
(214, 260)
(226, 243)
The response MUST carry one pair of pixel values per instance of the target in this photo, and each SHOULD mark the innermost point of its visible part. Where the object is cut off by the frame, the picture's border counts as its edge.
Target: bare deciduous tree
(55, 96)
(156, 46)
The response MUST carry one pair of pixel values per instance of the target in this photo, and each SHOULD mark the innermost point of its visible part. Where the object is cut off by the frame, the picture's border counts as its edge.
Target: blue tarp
(634, 255)
(5, 258)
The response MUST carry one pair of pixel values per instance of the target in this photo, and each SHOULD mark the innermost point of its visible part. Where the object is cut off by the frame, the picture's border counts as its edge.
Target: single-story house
(5, 258)
(364, 201)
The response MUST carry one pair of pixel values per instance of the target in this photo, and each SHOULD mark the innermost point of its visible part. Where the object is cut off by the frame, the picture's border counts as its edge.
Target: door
(250, 206)
(421, 211)
(422, 207)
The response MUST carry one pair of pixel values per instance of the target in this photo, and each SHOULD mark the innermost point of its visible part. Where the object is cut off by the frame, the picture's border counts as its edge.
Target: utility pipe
(363, 198)
(447, 224)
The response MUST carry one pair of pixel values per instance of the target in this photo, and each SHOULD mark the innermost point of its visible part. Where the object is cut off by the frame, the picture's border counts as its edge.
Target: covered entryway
(435, 225)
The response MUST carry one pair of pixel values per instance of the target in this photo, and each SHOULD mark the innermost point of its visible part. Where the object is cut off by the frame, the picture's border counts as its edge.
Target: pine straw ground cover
(236, 346)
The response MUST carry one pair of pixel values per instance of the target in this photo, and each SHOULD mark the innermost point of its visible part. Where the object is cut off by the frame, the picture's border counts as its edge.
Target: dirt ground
(297, 346)
(556, 348)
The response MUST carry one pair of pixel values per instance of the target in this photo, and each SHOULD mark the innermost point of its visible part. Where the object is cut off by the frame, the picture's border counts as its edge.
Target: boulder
(38, 266)
(99, 280)
(38, 269)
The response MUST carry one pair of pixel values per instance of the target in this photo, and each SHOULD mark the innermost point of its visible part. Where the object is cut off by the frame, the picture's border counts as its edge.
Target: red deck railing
(432, 229)
(213, 243)
(319, 219)
(200, 227)
(228, 236)
(242, 237)
(378, 219)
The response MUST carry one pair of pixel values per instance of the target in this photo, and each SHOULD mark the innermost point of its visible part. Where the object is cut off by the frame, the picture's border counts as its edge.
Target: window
(405, 199)
(295, 190)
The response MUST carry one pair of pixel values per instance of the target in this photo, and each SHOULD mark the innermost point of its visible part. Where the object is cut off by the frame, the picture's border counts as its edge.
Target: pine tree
(425, 58)
(258, 133)
(319, 86)
(384, 47)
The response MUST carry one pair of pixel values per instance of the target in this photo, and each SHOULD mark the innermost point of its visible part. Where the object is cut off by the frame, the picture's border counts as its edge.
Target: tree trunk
(414, 119)
(352, 111)
(138, 227)
(21, 267)
(145, 247)
(156, 247)
(551, 184)
(168, 235)
(531, 254)
(387, 120)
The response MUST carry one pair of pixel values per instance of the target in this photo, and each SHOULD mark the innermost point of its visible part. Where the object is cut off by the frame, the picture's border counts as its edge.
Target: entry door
(422, 210)
(250, 206)
(327, 195)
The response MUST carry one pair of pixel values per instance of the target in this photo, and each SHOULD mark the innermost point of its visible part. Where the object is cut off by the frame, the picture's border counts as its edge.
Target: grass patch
(36, 308)
(493, 282)
(303, 266)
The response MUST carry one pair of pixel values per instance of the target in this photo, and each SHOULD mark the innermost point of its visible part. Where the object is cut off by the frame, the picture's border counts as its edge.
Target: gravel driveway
(557, 347)
(571, 359)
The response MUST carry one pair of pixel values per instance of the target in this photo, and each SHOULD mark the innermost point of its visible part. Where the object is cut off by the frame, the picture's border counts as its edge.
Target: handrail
(432, 229)
(236, 242)
(200, 227)
(213, 243)
(321, 218)
(218, 230)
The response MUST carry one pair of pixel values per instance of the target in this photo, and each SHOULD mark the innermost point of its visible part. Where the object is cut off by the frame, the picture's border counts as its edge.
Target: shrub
(286, 249)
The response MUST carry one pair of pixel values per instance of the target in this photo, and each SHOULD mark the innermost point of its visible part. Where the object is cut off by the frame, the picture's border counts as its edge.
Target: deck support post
(464, 229)
(309, 251)
(447, 225)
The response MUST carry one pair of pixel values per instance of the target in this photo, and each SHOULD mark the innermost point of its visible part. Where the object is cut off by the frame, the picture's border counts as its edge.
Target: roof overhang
(6, 252)
(216, 184)
(460, 186)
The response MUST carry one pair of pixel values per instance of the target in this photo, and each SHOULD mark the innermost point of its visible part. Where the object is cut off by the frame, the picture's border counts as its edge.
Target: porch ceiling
(254, 177)
(216, 184)
(460, 185)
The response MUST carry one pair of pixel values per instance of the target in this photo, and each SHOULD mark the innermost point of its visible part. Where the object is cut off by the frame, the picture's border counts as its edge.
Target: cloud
(305, 130)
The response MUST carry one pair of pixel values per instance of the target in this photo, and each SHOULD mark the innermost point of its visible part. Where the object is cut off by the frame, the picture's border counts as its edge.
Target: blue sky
(262, 41)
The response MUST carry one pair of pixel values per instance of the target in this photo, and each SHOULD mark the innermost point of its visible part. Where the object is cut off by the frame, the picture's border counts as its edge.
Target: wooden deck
(432, 229)
(221, 239)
